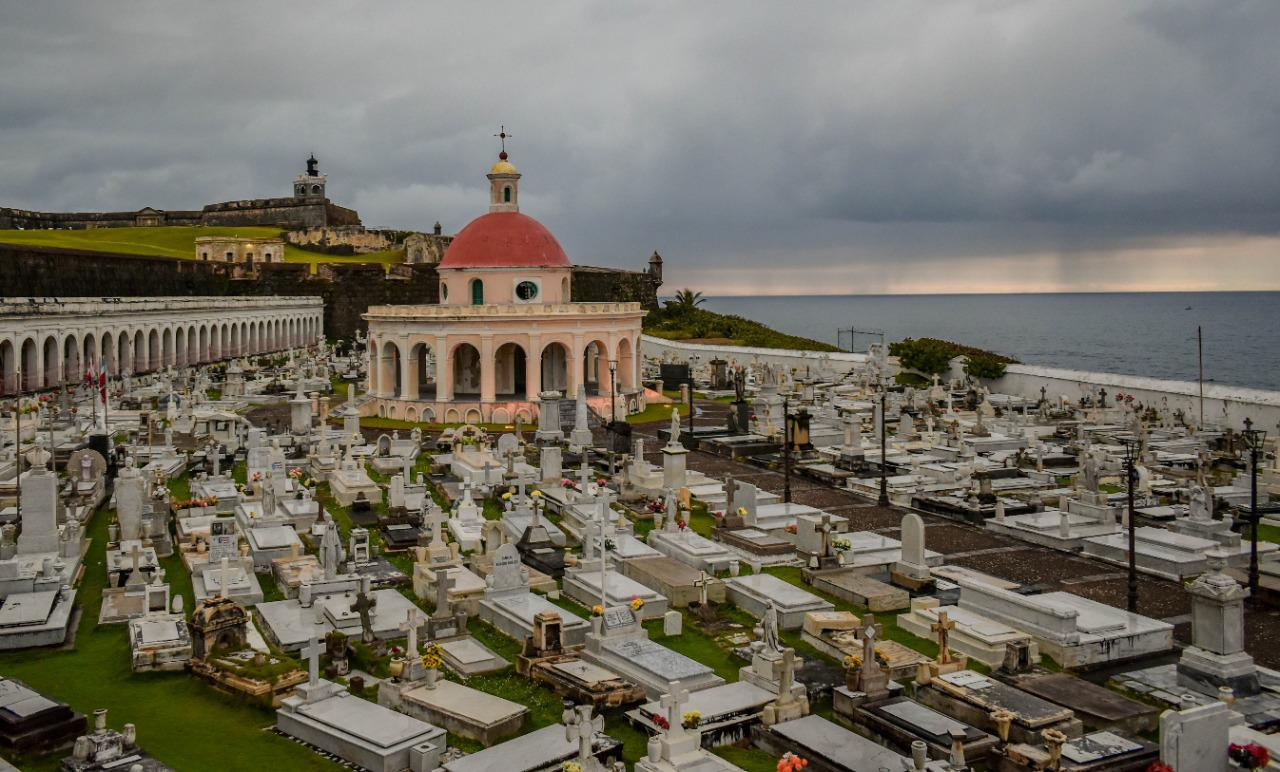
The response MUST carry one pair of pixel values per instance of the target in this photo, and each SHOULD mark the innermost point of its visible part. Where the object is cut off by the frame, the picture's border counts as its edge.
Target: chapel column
(488, 382)
(444, 370)
(408, 372)
(371, 366)
(533, 368)
(578, 355)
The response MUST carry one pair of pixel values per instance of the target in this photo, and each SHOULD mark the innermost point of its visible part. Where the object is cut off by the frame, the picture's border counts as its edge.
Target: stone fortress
(307, 208)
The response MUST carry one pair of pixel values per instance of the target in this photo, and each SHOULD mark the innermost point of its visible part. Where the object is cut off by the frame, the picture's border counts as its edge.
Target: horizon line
(1012, 292)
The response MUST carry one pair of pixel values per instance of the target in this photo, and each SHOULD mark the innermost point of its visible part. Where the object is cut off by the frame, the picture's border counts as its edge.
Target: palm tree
(686, 299)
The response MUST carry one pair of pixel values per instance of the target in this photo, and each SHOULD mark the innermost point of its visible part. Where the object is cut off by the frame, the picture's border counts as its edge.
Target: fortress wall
(348, 289)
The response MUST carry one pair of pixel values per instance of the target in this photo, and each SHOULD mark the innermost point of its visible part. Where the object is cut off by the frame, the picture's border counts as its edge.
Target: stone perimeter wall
(1223, 405)
(348, 289)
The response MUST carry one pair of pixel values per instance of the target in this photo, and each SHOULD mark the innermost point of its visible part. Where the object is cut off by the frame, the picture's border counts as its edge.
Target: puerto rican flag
(102, 381)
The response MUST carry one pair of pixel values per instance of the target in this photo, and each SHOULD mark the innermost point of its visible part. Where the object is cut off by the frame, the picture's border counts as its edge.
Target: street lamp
(1254, 438)
(613, 391)
(692, 369)
(884, 447)
(1131, 476)
(786, 450)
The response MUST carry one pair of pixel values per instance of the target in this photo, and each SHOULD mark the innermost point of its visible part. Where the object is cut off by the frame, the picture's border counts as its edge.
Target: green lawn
(177, 241)
(181, 720)
(656, 412)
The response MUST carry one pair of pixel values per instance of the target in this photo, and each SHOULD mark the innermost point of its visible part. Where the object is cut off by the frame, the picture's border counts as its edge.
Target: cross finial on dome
(502, 136)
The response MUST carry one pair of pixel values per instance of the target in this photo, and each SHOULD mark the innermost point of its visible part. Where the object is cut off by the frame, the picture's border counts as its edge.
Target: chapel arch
(465, 361)
(555, 367)
(510, 371)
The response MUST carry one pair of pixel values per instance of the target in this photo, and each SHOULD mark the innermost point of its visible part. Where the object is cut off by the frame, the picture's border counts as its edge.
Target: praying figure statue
(769, 626)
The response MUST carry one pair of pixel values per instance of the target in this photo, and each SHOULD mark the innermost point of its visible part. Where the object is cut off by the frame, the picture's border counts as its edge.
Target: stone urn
(655, 749)
(432, 675)
(1003, 720)
(396, 667)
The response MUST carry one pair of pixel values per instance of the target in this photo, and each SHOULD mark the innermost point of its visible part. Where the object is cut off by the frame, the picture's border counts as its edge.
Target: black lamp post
(613, 391)
(1131, 476)
(1254, 438)
(692, 369)
(884, 447)
(786, 450)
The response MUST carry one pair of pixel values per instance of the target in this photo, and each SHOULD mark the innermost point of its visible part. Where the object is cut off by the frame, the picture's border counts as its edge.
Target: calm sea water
(1150, 334)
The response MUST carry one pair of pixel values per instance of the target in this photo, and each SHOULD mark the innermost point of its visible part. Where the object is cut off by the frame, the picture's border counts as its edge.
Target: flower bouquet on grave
(852, 662)
(1250, 756)
(742, 511)
(506, 496)
(791, 529)
(537, 494)
(791, 762)
(431, 657)
(841, 544)
(637, 603)
(570, 766)
(661, 722)
(681, 524)
(691, 719)
(597, 610)
(609, 545)
(1158, 766)
(567, 483)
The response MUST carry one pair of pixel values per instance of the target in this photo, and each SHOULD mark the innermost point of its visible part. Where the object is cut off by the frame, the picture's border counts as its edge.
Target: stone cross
(580, 726)
(313, 652)
(788, 674)
(410, 626)
(444, 583)
(672, 702)
(431, 514)
(364, 606)
(825, 530)
(584, 473)
(943, 628)
(702, 582)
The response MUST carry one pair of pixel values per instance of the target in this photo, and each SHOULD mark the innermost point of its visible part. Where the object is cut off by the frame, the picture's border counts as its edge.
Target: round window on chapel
(526, 290)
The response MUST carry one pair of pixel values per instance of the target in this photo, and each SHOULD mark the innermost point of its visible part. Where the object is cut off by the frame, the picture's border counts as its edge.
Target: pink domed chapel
(506, 328)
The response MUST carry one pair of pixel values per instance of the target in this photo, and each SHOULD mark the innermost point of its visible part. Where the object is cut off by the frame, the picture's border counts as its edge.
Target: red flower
(1158, 766)
(1251, 756)
(661, 722)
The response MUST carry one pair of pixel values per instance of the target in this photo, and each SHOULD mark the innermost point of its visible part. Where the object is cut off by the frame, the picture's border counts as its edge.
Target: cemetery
(381, 556)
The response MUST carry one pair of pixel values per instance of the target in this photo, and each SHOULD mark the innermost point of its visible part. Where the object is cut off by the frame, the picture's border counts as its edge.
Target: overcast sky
(783, 148)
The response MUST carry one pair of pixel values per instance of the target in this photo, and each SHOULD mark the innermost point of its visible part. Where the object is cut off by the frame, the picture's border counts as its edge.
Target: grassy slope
(701, 325)
(176, 241)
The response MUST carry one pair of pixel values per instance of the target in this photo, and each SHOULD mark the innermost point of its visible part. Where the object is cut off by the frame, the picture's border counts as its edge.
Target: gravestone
(912, 571)
(1196, 738)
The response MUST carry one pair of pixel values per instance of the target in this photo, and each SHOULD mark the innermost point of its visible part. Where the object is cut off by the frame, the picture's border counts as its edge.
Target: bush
(926, 355)
(984, 366)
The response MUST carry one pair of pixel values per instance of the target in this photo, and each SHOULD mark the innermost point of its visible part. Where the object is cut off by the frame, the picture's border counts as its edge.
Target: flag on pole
(102, 382)
(90, 375)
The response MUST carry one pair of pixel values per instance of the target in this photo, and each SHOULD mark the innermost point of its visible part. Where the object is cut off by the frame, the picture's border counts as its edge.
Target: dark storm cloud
(903, 136)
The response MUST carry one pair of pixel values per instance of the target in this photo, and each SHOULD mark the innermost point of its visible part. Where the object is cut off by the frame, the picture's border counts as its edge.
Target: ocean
(1148, 334)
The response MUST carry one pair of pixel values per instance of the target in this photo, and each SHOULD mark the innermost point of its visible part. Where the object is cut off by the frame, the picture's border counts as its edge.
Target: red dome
(504, 240)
